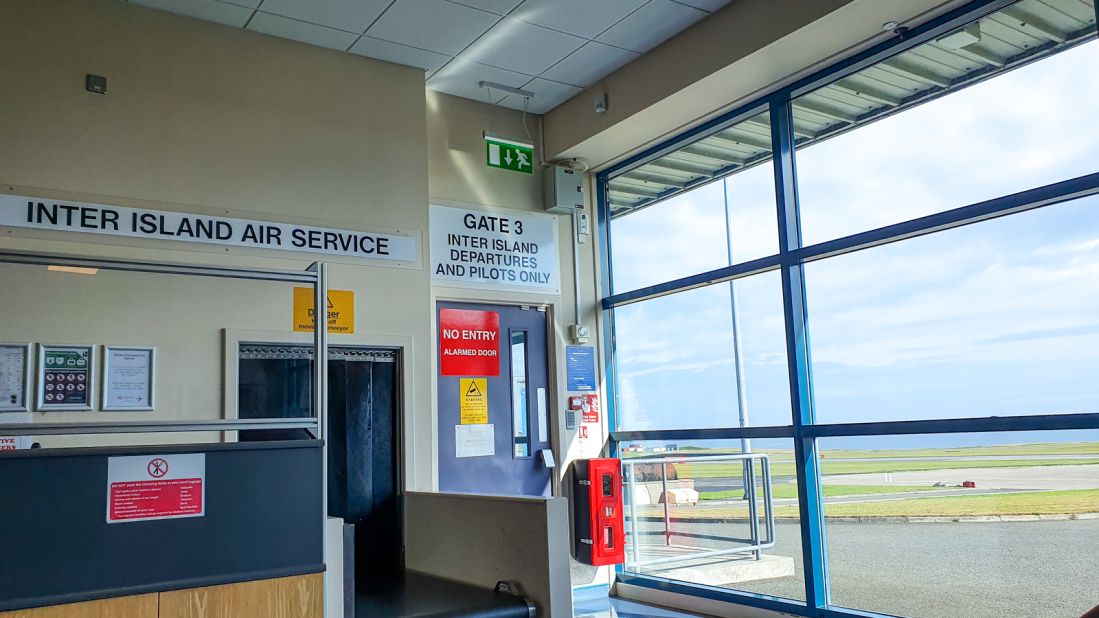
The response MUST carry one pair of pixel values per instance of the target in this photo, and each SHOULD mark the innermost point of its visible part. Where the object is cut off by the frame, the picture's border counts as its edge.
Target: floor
(593, 603)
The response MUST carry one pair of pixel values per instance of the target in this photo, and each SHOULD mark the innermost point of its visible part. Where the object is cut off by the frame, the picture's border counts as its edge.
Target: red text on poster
(469, 342)
(148, 487)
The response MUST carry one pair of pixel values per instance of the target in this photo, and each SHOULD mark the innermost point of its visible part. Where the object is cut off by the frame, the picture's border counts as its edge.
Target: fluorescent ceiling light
(73, 269)
(508, 89)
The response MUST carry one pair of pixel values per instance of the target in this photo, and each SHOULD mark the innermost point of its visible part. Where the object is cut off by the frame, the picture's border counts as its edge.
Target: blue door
(495, 355)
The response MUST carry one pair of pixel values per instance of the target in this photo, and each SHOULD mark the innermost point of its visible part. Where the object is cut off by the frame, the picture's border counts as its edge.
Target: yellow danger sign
(473, 393)
(341, 311)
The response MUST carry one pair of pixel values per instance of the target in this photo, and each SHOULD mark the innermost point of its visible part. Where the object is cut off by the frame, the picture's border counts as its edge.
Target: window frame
(790, 259)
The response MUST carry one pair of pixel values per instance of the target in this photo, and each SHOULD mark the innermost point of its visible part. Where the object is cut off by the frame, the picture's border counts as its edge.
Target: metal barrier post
(635, 533)
(667, 515)
(320, 387)
(753, 507)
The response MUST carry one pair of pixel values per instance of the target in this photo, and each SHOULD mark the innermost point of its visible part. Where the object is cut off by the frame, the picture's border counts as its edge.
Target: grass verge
(789, 490)
(1028, 503)
(834, 466)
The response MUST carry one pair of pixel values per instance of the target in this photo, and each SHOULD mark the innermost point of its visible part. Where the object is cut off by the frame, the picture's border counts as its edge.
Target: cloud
(998, 316)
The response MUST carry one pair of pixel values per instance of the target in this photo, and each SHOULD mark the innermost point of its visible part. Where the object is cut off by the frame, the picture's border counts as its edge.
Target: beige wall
(742, 51)
(214, 120)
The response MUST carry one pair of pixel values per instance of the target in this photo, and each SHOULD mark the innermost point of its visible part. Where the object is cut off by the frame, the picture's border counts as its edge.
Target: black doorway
(276, 381)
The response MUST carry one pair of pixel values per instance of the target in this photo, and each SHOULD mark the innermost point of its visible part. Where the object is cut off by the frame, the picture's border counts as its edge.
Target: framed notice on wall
(129, 378)
(15, 368)
(66, 376)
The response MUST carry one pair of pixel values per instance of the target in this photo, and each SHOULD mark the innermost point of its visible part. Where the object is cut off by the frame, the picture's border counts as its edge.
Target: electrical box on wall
(564, 190)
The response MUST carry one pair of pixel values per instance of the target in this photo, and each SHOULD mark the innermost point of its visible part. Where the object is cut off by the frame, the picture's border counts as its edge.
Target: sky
(995, 318)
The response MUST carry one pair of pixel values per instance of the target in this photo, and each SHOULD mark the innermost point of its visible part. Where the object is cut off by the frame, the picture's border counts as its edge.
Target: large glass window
(1014, 129)
(992, 319)
(704, 358)
(977, 328)
(724, 222)
(976, 525)
(718, 513)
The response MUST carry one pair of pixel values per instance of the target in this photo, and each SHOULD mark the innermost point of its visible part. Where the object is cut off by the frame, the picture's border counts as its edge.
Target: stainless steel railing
(756, 544)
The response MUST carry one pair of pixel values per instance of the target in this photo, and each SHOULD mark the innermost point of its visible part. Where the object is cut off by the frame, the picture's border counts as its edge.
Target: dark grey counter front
(263, 518)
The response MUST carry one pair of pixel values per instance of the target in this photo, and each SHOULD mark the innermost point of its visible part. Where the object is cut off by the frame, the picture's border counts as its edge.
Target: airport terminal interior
(631, 308)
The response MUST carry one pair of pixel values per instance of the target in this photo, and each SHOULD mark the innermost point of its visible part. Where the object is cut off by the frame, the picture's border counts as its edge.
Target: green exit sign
(508, 155)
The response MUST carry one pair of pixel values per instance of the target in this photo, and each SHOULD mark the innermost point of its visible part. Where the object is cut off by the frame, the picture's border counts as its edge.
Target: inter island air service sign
(80, 217)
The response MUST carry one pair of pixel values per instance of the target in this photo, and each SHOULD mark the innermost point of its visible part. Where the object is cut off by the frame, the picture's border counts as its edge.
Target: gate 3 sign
(513, 250)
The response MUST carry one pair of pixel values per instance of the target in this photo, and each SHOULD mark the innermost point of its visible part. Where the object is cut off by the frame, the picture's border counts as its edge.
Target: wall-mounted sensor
(95, 83)
(600, 103)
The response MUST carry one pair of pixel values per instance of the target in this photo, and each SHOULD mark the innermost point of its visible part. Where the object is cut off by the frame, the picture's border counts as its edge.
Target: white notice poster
(504, 249)
(14, 370)
(129, 378)
(543, 417)
(147, 487)
(474, 440)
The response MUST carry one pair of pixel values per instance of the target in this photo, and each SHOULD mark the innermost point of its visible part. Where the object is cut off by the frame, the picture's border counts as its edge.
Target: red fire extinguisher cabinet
(600, 537)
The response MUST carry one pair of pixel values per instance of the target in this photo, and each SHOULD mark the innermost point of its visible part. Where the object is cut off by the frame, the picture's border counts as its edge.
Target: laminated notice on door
(473, 395)
(474, 441)
(543, 416)
(148, 487)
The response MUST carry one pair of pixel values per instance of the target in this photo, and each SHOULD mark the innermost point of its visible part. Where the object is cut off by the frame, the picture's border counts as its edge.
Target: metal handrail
(162, 426)
(757, 544)
(167, 268)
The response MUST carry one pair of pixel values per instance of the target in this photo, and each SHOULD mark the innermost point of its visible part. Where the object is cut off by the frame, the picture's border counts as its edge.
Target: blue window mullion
(797, 354)
(602, 208)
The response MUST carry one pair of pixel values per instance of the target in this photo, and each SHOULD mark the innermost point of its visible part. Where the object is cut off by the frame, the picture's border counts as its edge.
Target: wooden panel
(141, 606)
(287, 597)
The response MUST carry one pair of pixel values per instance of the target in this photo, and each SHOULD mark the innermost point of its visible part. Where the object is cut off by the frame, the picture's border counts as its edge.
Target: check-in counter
(255, 550)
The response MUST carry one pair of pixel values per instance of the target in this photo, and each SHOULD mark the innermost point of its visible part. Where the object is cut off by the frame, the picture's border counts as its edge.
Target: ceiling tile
(525, 48)
(547, 95)
(461, 78)
(580, 17)
(435, 25)
(252, 4)
(400, 54)
(350, 15)
(651, 25)
(589, 64)
(228, 14)
(705, 5)
(500, 7)
(301, 31)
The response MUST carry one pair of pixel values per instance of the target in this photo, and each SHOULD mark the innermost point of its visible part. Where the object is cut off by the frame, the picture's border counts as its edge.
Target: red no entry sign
(469, 342)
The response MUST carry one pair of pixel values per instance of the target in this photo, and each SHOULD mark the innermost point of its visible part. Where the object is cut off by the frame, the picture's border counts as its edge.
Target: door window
(520, 416)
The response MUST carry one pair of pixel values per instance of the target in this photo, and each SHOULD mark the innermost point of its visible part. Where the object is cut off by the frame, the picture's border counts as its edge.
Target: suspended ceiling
(1006, 39)
(553, 48)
